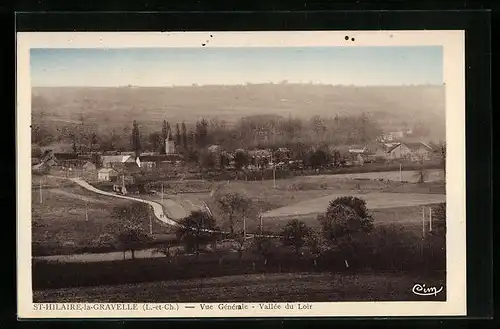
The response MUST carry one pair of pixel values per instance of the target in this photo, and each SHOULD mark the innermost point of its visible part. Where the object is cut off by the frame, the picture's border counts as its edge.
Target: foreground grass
(282, 287)
(71, 219)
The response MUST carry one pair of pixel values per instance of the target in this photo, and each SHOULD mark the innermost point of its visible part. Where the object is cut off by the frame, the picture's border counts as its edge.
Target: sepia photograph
(233, 174)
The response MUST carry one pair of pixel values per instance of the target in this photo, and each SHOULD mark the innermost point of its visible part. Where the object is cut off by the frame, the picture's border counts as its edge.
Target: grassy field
(282, 287)
(60, 223)
(304, 197)
(374, 200)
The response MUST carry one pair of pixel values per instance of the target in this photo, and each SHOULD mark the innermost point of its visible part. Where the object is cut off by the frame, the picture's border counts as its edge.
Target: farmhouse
(106, 174)
(67, 159)
(120, 162)
(410, 151)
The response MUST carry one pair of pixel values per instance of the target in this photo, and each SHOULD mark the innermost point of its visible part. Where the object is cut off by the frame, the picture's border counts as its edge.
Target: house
(410, 151)
(157, 160)
(106, 174)
(120, 161)
(89, 166)
(420, 151)
(67, 159)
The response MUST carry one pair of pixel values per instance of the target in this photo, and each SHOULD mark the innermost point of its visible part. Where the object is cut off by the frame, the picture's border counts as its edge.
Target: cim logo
(422, 290)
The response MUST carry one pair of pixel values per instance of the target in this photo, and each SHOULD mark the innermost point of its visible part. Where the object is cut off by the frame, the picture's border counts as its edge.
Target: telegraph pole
(86, 212)
(274, 170)
(430, 219)
(41, 199)
(244, 228)
(162, 192)
(423, 222)
(150, 224)
(400, 173)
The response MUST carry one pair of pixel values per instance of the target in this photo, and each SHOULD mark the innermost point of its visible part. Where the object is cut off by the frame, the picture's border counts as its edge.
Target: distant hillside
(116, 107)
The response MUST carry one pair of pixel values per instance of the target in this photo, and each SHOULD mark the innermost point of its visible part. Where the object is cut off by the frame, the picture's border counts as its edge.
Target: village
(121, 168)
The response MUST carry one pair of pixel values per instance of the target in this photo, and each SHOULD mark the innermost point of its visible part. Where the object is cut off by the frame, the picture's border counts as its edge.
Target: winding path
(157, 208)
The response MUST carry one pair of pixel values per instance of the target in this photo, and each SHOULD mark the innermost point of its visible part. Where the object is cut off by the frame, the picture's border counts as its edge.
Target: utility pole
(86, 212)
(260, 223)
(41, 199)
(162, 192)
(430, 219)
(274, 170)
(150, 224)
(423, 222)
(244, 228)
(400, 173)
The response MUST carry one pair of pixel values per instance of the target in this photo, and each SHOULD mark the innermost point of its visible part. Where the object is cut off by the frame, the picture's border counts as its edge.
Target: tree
(93, 141)
(136, 139)
(240, 239)
(233, 205)
(439, 218)
(336, 158)
(240, 160)
(155, 141)
(265, 246)
(317, 245)
(421, 173)
(132, 237)
(441, 151)
(165, 249)
(295, 234)
(105, 240)
(206, 160)
(345, 220)
(184, 136)
(319, 158)
(201, 133)
(178, 138)
(359, 206)
(196, 230)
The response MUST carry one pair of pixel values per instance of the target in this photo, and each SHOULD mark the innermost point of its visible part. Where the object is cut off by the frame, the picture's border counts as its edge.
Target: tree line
(258, 131)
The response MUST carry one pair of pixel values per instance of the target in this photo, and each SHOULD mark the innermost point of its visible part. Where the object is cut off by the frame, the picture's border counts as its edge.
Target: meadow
(72, 219)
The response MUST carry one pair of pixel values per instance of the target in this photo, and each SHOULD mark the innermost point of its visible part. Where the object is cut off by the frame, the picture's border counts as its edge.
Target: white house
(106, 174)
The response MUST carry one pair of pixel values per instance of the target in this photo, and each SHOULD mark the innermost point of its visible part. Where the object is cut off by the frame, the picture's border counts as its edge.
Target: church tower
(169, 144)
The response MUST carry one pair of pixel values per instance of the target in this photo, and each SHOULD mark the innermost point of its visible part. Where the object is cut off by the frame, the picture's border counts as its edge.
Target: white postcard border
(452, 42)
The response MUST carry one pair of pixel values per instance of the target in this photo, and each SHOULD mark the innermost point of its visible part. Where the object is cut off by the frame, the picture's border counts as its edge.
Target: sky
(363, 66)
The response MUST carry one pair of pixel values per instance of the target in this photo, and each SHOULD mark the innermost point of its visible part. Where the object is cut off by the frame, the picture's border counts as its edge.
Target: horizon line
(194, 85)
